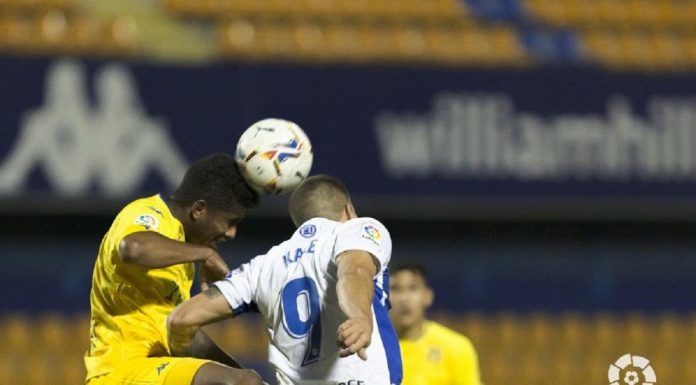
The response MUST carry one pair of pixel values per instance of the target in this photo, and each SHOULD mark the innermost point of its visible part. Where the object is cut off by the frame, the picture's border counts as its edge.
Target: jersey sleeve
(240, 285)
(365, 234)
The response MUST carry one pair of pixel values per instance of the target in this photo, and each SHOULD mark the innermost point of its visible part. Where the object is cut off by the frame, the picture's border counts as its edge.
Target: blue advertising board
(558, 142)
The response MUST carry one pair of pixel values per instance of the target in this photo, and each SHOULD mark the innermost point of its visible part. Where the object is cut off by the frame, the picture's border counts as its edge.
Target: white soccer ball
(274, 155)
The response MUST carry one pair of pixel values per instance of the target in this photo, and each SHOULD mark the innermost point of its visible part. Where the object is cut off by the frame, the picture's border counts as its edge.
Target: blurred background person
(432, 354)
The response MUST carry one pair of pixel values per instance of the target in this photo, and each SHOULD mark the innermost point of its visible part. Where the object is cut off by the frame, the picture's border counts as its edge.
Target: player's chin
(401, 320)
(215, 242)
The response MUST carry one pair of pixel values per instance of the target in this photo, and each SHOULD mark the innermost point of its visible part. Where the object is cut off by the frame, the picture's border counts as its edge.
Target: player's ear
(429, 297)
(350, 211)
(199, 210)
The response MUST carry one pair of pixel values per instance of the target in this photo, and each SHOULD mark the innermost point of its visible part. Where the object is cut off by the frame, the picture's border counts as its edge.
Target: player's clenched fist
(354, 336)
(213, 269)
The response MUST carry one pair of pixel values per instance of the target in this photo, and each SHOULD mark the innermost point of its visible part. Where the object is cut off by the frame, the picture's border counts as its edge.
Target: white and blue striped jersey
(294, 287)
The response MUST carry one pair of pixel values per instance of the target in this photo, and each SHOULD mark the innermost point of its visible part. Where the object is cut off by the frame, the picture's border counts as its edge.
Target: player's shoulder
(315, 227)
(150, 212)
(368, 227)
(153, 204)
(447, 337)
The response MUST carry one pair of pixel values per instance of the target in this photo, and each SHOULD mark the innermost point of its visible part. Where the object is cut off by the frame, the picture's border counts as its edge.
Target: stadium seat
(308, 39)
(35, 6)
(410, 42)
(238, 38)
(537, 348)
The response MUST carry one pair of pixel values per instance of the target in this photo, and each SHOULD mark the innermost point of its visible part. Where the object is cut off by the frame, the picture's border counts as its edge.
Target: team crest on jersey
(147, 221)
(369, 231)
(308, 231)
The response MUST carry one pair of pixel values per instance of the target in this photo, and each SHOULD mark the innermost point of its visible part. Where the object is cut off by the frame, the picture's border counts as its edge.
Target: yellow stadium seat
(552, 12)
(375, 42)
(410, 42)
(309, 40)
(475, 326)
(670, 332)
(542, 332)
(40, 369)
(668, 52)
(573, 331)
(688, 46)
(610, 13)
(273, 40)
(667, 13)
(10, 372)
(52, 330)
(239, 38)
(636, 333)
(578, 12)
(475, 46)
(340, 41)
(323, 7)
(603, 333)
(17, 330)
(73, 372)
(506, 46)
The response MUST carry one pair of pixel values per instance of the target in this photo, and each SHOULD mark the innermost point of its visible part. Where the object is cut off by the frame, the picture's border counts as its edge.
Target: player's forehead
(407, 276)
(228, 213)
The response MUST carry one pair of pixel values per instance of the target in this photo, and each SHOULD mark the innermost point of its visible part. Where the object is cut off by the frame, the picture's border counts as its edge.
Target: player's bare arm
(187, 319)
(153, 250)
(355, 289)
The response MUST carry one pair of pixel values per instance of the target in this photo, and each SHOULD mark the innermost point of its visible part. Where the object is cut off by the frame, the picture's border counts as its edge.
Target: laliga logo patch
(631, 370)
(369, 231)
(308, 231)
(147, 221)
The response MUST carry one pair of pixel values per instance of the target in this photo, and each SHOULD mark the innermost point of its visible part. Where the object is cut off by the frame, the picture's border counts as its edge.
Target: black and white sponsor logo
(110, 144)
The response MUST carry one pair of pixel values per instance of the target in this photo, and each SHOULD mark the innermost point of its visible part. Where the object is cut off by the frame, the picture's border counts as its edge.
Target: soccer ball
(274, 155)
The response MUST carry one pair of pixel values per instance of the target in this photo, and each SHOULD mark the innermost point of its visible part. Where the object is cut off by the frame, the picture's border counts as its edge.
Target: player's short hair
(216, 179)
(415, 268)
(320, 196)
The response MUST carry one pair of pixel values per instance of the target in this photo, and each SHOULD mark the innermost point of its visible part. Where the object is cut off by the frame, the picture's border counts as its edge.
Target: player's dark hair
(216, 180)
(318, 196)
(415, 268)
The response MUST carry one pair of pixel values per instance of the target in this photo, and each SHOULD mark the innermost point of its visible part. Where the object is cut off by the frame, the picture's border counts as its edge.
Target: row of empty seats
(641, 50)
(594, 13)
(619, 34)
(457, 43)
(58, 33)
(33, 6)
(453, 43)
(535, 349)
(411, 9)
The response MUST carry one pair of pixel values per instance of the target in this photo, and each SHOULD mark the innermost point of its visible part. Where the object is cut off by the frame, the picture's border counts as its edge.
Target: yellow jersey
(130, 303)
(439, 357)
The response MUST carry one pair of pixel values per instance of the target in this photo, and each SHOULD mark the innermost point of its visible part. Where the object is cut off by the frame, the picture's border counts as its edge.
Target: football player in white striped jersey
(323, 294)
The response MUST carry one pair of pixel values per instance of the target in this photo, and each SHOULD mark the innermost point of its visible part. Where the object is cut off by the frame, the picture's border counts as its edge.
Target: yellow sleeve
(464, 363)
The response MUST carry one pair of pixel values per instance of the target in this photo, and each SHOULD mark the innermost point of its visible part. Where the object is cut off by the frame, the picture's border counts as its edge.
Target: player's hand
(213, 269)
(354, 336)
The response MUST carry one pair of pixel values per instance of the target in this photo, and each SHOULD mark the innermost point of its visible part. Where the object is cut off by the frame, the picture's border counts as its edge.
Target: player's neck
(177, 211)
(412, 332)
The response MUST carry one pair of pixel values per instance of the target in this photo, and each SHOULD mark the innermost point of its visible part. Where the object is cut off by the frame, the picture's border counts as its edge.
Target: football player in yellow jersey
(145, 268)
(431, 353)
